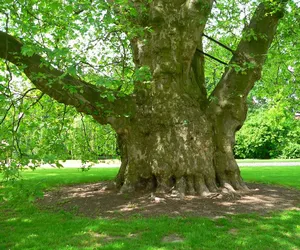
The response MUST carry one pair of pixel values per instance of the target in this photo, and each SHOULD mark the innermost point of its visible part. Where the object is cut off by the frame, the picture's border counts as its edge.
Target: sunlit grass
(24, 226)
(67, 176)
(284, 176)
(266, 161)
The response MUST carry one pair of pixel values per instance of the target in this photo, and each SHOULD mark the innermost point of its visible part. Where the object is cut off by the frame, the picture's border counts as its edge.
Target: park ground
(62, 209)
(116, 163)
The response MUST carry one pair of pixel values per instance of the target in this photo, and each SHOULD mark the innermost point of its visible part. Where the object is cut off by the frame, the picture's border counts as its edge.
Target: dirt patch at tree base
(97, 200)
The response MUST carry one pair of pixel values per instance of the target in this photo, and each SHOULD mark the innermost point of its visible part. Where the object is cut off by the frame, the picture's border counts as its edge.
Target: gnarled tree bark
(175, 136)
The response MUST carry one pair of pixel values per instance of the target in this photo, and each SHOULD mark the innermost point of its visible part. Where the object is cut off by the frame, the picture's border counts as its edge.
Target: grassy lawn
(284, 176)
(24, 226)
(266, 161)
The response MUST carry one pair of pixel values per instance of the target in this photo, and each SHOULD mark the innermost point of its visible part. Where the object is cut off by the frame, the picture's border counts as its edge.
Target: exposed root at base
(87, 197)
(182, 189)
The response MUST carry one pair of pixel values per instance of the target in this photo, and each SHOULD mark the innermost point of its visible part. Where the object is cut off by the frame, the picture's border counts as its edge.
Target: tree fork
(224, 114)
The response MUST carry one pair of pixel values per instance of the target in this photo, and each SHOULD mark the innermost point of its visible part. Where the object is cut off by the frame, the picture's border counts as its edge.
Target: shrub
(267, 134)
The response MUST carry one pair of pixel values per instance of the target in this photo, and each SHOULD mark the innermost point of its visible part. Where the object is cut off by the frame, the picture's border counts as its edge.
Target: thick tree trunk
(177, 146)
(179, 138)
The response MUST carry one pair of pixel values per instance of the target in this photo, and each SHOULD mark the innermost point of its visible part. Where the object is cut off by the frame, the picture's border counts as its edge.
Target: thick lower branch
(62, 87)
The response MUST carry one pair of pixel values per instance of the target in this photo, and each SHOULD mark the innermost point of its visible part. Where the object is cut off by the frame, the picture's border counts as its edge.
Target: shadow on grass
(44, 230)
(24, 226)
(95, 200)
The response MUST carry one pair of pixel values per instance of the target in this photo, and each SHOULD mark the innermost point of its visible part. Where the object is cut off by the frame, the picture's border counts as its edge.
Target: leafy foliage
(50, 132)
(271, 133)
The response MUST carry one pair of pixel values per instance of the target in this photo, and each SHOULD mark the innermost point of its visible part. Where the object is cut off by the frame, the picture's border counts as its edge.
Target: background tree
(171, 131)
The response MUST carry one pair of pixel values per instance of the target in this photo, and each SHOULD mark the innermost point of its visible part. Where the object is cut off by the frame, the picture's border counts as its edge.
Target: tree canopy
(107, 59)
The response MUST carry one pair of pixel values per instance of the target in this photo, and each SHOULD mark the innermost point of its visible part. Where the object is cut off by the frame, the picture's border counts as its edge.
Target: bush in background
(267, 134)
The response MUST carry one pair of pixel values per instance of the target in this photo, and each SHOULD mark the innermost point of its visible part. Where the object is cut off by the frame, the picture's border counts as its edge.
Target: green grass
(266, 161)
(24, 226)
(68, 176)
(284, 176)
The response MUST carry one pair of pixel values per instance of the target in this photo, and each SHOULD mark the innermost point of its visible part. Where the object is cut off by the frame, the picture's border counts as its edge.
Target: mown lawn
(266, 161)
(24, 226)
(283, 176)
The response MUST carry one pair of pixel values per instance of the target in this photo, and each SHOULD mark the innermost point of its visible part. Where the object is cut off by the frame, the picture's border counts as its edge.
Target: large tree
(172, 132)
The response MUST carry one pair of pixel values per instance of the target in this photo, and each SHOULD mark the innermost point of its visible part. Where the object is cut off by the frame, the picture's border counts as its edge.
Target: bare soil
(98, 200)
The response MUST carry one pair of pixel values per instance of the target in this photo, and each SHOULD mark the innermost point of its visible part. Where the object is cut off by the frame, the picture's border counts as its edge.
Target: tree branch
(63, 87)
(248, 59)
(228, 107)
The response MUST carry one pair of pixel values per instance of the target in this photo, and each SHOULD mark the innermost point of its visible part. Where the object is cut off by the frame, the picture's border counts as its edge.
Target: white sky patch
(291, 69)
